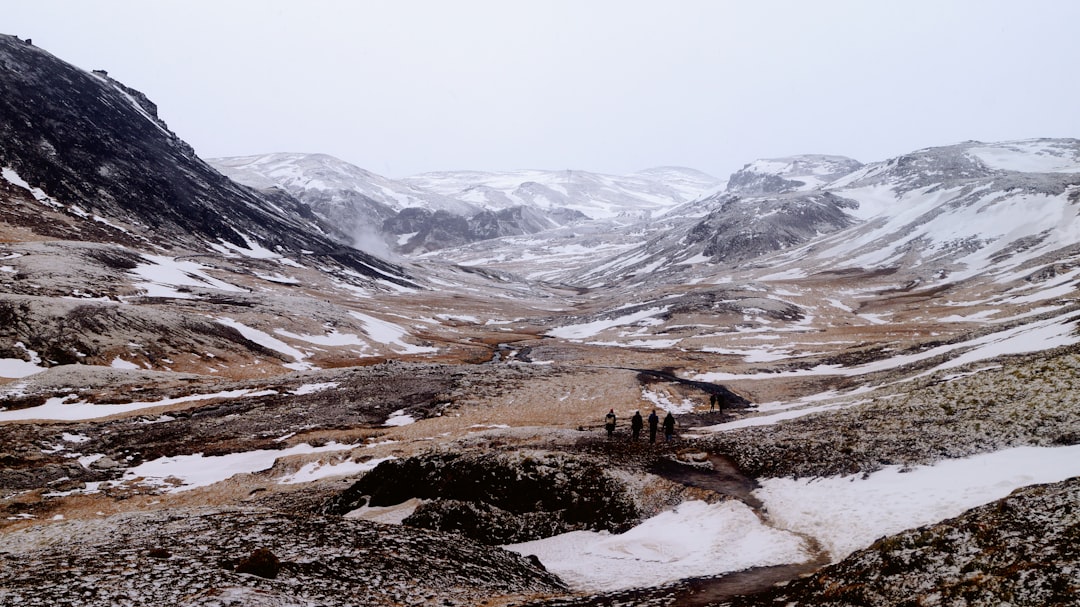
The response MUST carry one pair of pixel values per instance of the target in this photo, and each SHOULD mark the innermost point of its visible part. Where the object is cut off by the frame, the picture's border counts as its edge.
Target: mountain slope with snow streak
(959, 211)
(324, 177)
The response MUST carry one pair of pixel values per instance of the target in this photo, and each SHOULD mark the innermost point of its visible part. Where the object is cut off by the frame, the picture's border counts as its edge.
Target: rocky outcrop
(498, 498)
(741, 229)
(231, 557)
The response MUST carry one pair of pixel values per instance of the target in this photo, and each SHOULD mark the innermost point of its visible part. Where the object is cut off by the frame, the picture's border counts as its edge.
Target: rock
(67, 484)
(498, 498)
(105, 463)
(262, 563)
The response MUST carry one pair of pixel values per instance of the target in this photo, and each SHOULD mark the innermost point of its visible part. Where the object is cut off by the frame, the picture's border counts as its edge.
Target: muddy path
(724, 478)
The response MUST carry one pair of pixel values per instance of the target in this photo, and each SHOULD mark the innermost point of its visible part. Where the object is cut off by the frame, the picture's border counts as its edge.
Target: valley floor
(831, 437)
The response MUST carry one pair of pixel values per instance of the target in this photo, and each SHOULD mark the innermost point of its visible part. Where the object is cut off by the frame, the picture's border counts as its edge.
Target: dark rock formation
(262, 563)
(498, 498)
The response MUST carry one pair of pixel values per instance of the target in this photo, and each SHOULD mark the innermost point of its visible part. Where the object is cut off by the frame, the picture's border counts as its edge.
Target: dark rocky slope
(742, 229)
(87, 140)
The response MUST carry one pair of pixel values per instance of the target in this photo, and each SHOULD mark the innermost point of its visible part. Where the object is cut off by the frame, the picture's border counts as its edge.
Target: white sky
(401, 87)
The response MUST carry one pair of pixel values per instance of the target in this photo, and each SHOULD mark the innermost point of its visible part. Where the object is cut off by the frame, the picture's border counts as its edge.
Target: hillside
(208, 397)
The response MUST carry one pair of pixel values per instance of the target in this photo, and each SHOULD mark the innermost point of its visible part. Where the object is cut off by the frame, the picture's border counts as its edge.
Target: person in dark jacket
(669, 426)
(654, 421)
(636, 423)
(609, 423)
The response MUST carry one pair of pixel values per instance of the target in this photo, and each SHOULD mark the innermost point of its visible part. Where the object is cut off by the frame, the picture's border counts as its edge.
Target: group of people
(637, 423)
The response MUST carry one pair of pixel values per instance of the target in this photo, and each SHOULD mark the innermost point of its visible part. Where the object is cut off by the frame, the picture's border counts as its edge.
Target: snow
(186, 472)
(164, 275)
(590, 329)
(278, 278)
(663, 401)
(119, 363)
(254, 250)
(267, 341)
(313, 388)
(58, 408)
(765, 420)
(1034, 337)
(314, 471)
(693, 539)
(849, 513)
(388, 333)
(387, 515)
(399, 418)
(14, 179)
(332, 338)
(15, 368)
(1027, 156)
(763, 355)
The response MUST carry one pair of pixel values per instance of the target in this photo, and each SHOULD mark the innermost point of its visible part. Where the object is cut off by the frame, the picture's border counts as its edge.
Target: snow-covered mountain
(951, 211)
(958, 211)
(437, 210)
(779, 175)
(101, 153)
(323, 180)
(626, 198)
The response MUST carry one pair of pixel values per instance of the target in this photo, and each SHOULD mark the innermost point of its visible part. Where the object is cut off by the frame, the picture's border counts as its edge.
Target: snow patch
(399, 418)
(691, 540)
(58, 408)
(848, 513)
(314, 471)
(388, 333)
(186, 472)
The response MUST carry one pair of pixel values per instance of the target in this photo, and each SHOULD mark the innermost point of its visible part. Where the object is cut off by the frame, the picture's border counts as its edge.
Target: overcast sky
(403, 87)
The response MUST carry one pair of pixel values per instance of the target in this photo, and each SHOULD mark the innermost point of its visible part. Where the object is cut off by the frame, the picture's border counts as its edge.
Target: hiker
(669, 426)
(714, 402)
(653, 422)
(636, 424)
(609, 423)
